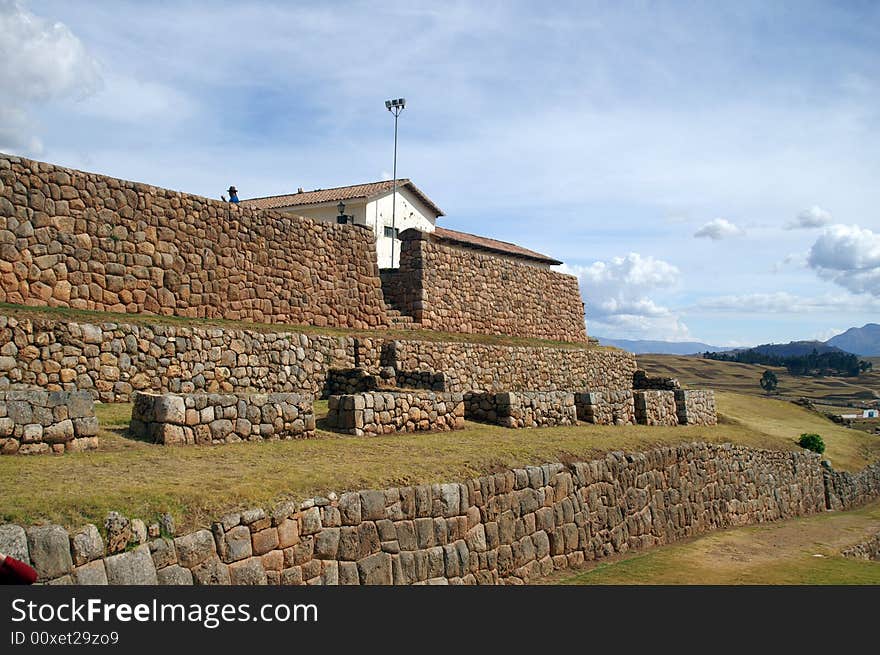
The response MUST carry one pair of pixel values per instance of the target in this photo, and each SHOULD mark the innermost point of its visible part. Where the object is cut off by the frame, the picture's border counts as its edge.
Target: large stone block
(49, 548)
(134, 567)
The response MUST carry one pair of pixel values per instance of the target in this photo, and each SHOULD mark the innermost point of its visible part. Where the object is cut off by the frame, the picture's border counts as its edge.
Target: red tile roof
(336, 194)
(485, 243)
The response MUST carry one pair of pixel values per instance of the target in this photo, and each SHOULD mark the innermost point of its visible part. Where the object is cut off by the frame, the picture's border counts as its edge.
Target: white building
(369, 204)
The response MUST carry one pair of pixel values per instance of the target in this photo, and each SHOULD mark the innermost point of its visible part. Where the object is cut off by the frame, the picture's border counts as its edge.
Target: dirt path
(800, 551)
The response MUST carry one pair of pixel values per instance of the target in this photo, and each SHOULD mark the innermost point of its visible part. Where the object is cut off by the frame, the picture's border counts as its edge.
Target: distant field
(197, 483)
(743, 378)
(799, 551)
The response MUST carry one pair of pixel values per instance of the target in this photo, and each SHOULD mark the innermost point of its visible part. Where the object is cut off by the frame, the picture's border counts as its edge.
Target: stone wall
(509, 527)
(341, 381)
(87, 241)
(606, 407)
(214, 418)
(462, 290)
(36, 422)
(641, 382)
(868, 549)
(522, 409)
(655, 407)
(385, 412)
(695, 407)
(845, 490)
(113, 359)
(490, 367)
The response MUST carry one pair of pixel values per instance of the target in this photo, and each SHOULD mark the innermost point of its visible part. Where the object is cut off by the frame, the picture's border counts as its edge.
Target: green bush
(812, 442)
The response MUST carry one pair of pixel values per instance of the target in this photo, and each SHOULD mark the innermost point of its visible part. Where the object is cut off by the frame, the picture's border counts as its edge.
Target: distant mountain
(794, 348)
(642, 347)
(860, 341)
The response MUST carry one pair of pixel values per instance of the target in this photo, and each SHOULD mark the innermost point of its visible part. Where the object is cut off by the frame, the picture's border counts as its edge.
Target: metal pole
(394, 190)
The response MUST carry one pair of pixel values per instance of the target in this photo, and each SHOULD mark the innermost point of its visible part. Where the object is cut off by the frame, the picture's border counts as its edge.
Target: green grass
(84, 315)
(196, 483)
(798, 551)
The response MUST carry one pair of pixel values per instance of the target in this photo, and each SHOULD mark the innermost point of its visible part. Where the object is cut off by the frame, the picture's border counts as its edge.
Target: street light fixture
(395, 106)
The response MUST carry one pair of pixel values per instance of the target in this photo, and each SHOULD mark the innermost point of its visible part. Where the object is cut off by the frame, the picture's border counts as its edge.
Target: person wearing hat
(233, 194)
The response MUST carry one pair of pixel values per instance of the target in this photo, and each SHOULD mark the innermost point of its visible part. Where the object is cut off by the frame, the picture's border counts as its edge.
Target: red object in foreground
(13, 571)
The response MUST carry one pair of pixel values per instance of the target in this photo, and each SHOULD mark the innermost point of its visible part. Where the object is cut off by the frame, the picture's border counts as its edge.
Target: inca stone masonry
(88, 241)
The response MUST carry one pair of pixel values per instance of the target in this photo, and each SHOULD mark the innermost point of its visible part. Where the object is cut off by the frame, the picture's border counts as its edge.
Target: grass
(743, 378)
(84, 315)
(798, 551)
(195, 484)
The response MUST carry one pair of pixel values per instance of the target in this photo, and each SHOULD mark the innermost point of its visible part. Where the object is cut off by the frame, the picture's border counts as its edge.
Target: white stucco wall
(410, 212)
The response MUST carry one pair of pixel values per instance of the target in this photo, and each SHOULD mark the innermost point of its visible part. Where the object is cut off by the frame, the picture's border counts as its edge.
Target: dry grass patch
(197, 483)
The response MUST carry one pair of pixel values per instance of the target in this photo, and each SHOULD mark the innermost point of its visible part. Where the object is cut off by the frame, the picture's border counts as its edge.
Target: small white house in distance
(871, 413)
(368, 204)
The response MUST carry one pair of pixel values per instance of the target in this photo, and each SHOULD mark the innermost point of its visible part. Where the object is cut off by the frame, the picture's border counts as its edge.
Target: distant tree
(769, 382)
(812, 441)
(864, 366)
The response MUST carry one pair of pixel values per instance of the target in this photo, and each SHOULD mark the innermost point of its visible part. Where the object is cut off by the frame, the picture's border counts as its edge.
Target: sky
(709, 171)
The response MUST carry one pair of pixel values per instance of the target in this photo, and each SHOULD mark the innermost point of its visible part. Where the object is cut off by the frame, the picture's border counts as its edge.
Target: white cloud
(782, 302)
(718, 229)
(809, 218)
(42, 61)
(616, 294)
(849, 256)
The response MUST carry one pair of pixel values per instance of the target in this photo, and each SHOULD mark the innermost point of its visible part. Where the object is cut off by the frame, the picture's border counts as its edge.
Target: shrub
(812, 442)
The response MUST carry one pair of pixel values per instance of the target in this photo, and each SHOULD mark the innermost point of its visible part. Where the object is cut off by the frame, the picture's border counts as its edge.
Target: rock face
(384, 412)
(33, 421)
(869, 549)
(216, 418)
(522, 409)
(87, 241)
(509, 527)
(457, 289)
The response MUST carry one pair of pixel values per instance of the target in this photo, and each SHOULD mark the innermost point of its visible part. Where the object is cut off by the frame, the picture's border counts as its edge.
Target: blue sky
(708, 171)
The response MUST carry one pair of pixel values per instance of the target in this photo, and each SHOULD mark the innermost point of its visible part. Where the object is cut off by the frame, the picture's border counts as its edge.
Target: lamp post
(395, 106)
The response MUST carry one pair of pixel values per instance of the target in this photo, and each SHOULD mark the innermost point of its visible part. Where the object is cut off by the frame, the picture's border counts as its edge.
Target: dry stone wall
(37, 421)
(205, 419)
(462, 290)
(695, 407)
(655, 407)
(606, 407)
(490, 367)
(114, 359)
(868, 549)
(87, 241)
(641, 381)
(522, 409)
(385, 412)
(845, 490)
(505, 528)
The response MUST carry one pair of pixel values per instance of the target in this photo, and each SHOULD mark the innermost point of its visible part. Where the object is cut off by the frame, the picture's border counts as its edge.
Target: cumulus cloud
(848, 255)
(42, 61)
(719, 228)
(617, 296)
(811, 217)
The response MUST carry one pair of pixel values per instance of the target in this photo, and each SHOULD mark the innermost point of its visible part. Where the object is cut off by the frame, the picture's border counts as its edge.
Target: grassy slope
(776, 553)
(194, 484)
(743, 378)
